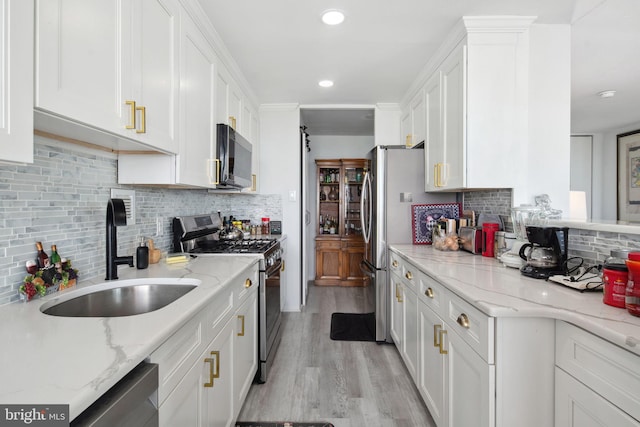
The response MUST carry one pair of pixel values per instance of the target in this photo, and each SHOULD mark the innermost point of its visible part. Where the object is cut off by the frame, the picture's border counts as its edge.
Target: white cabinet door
(80, 50)
(452, 171)
(433, 144)
(405, 127)
(16, 81)
(155, 71)
(579, 406)
(245, 348)
(431, 363)
(255, 153)
(418, 117)
(410, 330)
(197, 101)
(470, 385)
(397, 327)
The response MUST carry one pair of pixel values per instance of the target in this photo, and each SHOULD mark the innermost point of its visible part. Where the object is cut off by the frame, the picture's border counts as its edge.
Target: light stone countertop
(63, 360)
(500, 291)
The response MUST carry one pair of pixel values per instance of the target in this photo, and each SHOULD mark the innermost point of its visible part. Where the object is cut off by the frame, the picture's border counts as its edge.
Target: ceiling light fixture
(332, 17)
(607, 94)
(325, 83)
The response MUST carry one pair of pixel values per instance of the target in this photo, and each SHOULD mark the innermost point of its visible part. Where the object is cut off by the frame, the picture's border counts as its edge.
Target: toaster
(471, 239)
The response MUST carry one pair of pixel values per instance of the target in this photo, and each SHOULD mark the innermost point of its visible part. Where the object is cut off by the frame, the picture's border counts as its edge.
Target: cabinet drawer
(244, 284)
(609, 370)
(475, 327)
(395, 263)
(432, 293)
(177, 354)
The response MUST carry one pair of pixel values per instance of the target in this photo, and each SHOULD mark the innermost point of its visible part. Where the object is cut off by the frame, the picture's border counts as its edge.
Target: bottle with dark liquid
(42, 259)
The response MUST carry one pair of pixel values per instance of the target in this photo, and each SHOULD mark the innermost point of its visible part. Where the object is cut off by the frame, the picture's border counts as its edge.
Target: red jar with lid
(615, 278)
(632, 297)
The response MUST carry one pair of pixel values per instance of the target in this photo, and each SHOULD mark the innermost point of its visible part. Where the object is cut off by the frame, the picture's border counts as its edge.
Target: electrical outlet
(158, 226)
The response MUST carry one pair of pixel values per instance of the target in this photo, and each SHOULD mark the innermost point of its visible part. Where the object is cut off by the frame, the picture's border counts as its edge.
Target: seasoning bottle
(142, 255)
(265, 226)
(42, 259)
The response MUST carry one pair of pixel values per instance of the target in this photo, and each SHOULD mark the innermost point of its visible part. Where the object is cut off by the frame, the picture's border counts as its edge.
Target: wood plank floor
(350, 384)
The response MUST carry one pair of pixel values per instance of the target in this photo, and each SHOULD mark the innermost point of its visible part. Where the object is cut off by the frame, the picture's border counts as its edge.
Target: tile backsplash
(62, 197)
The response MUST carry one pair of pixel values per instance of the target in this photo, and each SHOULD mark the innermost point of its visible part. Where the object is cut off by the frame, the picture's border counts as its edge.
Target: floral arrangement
(48, 280)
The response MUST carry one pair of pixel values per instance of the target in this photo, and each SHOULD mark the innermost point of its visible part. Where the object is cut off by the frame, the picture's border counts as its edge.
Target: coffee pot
(546, 252)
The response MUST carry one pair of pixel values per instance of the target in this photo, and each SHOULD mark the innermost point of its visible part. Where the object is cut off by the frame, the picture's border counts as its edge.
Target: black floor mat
(353, 327)
(280, 424)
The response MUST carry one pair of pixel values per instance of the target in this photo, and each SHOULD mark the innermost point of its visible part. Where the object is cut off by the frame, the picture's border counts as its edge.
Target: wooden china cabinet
(339, 242)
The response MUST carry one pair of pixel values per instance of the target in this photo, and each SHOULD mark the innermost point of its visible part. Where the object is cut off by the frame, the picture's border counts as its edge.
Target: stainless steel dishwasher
(132, 402)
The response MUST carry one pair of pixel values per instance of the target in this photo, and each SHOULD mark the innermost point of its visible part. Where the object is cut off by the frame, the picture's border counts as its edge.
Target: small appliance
(546, 252)
(233, 162)
(521, 216)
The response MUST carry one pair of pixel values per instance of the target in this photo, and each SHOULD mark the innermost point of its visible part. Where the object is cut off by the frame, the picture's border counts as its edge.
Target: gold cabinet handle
(232, 122)
(213, 373)
(463, 320)
(436, 335)
(143, 119)
(253, 182)
(429, 293)
(398, 293)
(214, 177)
(241, 333)
(282, 266)
(441, 343)
(394, 264)
(408, 141)
(408, 275)
(248, 283)
(132, 114)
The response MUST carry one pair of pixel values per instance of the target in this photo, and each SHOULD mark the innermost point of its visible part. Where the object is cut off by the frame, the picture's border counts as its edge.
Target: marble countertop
(63, 360)
(500, 291)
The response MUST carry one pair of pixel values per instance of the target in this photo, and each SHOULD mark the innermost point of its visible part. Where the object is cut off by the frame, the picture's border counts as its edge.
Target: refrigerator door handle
(367, 269)
(366, 196)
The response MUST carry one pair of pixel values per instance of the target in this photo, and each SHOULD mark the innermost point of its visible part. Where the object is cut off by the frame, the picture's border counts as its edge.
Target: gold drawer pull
(408, 275)
(132, 115)
(398, 293)
(143, 119)
(463, 320)
(442, 333)
(248, 283)
(241, 318)
(282, 267)
(436, 330)
(213, 373)
(394, 264)
(429, 293)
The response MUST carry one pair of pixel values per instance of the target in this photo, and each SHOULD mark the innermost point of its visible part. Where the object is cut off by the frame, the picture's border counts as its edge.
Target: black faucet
(116, 216)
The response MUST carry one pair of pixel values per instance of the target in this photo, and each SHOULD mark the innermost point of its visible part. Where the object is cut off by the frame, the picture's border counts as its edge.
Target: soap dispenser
(142, 255)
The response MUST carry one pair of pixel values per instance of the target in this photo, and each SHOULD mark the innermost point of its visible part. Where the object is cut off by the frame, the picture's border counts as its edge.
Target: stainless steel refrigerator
(394, 182)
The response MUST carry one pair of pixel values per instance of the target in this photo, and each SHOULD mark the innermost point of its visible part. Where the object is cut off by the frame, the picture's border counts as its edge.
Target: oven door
(270, 318)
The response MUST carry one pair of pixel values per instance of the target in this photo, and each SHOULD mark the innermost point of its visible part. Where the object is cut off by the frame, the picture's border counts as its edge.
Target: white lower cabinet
(432, 364)
(579, 406)
(397, 325)
(207, 367)
(597, 383)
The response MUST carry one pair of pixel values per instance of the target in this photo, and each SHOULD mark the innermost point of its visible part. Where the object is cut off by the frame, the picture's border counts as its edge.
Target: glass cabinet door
(329, 218)
(353, 177)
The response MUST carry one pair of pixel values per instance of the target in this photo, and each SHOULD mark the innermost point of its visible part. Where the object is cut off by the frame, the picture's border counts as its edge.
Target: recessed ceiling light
(325, 83)
(607, 94)
(332, 17)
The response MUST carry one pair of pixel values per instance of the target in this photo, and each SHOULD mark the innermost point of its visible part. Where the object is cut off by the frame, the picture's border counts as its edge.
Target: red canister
(614, 278)
(488, 238)
(632, 295)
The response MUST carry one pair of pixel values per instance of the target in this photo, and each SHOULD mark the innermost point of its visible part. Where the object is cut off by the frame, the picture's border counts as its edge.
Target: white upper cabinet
(16, 81)
(111, 66)
(413, 121)
(476, 106)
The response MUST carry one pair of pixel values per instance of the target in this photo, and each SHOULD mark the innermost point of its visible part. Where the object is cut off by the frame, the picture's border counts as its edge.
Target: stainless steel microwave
(233, 153)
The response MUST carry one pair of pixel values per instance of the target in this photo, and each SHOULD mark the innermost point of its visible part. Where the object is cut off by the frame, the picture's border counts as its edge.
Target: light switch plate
(406, 197)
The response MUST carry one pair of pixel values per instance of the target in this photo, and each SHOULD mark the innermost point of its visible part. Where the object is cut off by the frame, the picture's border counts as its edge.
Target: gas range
(245, 246)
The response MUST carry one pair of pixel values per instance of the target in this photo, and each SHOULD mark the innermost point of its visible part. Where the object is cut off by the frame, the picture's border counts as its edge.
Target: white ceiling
(284, 49)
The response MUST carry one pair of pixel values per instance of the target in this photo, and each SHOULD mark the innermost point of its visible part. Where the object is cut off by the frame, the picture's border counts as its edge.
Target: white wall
(549, 116)
(280, 174)
(329, 147)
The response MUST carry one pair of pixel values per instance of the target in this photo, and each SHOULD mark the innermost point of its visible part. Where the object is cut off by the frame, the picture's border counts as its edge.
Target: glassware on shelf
(333, 194)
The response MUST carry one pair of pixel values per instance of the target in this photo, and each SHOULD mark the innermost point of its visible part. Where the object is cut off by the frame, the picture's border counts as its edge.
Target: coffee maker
(546, 252)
